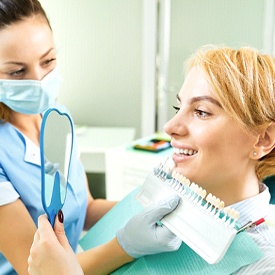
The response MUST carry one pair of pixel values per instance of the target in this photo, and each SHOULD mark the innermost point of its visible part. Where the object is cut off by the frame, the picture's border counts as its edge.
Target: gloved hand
(143, 235)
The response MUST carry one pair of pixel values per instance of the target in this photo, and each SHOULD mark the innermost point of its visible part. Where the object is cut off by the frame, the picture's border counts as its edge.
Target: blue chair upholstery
(270, 182)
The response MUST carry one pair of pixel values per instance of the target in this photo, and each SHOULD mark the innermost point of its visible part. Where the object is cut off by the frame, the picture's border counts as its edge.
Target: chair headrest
(270, 183)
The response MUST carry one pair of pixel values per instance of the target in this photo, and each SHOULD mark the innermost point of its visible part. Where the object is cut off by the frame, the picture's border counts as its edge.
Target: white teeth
(188, 152)
(185, 151)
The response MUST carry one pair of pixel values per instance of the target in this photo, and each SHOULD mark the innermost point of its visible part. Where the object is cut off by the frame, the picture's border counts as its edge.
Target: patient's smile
(187, 152)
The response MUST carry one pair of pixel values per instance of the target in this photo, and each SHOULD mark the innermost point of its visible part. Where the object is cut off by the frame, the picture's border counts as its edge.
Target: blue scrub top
(20, 175)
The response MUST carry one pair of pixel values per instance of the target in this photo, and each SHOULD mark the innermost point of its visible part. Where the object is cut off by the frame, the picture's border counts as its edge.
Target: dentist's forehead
(26, 38)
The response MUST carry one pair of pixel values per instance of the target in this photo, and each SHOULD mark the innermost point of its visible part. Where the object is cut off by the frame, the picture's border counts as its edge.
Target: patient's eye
(201, 114)
(176, 108)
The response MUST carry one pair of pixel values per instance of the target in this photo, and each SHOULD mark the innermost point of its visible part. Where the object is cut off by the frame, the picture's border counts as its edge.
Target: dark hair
(12, 11)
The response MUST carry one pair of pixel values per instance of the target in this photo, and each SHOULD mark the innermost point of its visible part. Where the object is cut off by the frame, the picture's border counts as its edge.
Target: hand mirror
(56, 139)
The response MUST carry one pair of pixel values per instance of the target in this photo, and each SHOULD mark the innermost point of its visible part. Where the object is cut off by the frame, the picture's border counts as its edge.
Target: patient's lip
(180, 145)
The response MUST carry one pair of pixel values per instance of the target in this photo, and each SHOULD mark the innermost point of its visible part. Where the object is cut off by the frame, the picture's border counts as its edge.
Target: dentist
(29, 85)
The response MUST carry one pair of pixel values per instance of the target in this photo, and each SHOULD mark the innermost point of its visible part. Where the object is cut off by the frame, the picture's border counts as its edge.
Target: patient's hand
(51, 252)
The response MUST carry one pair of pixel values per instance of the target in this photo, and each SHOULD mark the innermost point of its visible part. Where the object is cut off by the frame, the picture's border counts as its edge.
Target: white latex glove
(143, 234)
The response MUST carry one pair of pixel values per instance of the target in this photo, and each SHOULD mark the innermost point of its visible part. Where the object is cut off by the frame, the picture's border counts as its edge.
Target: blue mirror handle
(55, 204)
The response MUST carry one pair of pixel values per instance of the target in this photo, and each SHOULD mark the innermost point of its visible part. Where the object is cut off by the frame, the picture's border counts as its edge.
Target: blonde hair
(244, 81)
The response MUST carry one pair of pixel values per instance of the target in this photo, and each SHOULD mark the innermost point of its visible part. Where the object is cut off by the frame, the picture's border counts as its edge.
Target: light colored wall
(99, 52)
(195, 23)
(99, 47)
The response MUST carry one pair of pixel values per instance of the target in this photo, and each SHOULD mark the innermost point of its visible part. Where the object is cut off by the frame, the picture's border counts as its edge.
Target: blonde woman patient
(225, 115)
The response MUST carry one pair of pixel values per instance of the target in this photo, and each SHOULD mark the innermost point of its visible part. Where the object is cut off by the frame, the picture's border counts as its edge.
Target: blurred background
(122, 61)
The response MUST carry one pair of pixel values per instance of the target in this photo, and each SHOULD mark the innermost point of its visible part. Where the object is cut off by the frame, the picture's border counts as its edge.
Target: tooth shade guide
(196, 194)
(213, 204)
(199, 219)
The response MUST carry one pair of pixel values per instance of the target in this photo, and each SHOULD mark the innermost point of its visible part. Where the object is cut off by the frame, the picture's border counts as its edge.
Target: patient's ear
(266, 141)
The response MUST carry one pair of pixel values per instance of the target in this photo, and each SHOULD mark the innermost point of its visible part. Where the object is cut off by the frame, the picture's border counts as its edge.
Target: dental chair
(270, 183)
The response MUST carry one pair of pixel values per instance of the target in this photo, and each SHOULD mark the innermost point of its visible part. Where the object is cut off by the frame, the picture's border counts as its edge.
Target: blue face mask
(31, 96)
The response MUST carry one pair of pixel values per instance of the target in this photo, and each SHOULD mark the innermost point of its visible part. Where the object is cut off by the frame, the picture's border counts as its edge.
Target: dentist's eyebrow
(22, 63)
(46, 53)
(14, 62)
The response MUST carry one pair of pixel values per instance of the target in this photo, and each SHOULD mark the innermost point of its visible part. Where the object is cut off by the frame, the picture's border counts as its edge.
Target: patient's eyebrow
(202, 98)
(205, 98)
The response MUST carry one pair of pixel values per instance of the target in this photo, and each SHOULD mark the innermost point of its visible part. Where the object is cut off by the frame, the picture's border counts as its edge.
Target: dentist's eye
(49, 61)
(17, 73)
(201, 114)
(176, 108)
